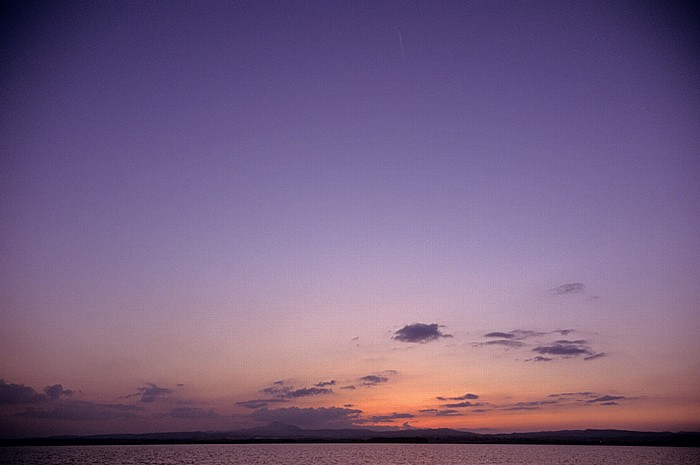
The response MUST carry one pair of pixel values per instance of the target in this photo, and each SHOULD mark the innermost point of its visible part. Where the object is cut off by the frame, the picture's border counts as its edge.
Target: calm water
(368, 454)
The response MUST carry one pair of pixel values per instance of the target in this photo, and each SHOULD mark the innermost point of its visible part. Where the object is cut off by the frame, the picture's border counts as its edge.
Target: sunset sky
(479, 215)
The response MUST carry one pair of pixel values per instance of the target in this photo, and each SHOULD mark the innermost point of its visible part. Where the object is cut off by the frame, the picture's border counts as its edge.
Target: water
(366, 454)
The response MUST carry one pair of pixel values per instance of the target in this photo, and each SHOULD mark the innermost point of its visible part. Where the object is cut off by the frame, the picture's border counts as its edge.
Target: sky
(479, 215)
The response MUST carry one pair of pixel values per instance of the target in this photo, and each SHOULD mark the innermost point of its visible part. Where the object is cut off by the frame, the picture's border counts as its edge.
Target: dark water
(368, 454)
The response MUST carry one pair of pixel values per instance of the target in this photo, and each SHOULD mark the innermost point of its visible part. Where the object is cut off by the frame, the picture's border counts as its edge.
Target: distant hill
(282, 433)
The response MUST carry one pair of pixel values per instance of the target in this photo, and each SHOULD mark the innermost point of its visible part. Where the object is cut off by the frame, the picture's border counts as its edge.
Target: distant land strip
(280, 433)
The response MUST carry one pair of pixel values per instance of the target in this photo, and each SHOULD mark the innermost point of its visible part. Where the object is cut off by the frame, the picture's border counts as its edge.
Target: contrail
(401, 43)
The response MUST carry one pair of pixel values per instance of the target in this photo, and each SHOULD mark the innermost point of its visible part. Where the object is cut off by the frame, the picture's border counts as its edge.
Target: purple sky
(211, 197)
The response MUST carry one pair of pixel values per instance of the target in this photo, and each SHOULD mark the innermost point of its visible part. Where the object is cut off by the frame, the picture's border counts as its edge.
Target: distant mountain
(280, 432)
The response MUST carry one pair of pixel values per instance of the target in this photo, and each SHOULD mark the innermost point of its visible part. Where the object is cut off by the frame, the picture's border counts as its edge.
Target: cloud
(464, 404)
(81, 410)
(305, 392)
(310, 417)
(389, 418)
(56, 391)
(563, 332)
(448, 413)
(351, 387)
(258, 403)
(536, 403)
(540, 358)
(605, 398)
(464, 397)
(373, 380)
(573, 394)
(565, 348)
(21, 394)
(150, 393)
(188, 413)
(325, 383)
(503, 342)
(420, 333)
(569, 288)
(280, 390)
(595, 356)
(500, 335)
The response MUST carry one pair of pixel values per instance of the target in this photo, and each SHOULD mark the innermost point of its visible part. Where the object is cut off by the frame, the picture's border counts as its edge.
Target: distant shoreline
(284, 434)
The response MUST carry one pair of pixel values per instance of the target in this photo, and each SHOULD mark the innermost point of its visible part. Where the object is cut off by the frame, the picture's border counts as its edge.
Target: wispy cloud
(605, 398)
(389, 418)
(565, 348)
(150, 393)
(568, 288)
(419, 333)
(442, 413)
(258, 403)
(373, 380)
(464, 404)
(280, 390)
(509, 343)
(325, 383)
(464, 397)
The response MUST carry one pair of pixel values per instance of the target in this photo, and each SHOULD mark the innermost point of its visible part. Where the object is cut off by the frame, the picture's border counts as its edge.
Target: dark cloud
(373, 380)
(21, 394)
(322, 417)
(150, 393)
(389, 418)
(536, 403)
(258, 403)
(464, 397)
(500, 335)
(563, 332)
(503, 342)
(305, 392)
(574, 394)
(565, 348)
(56, 391)
(81, 411)
(420, 333)
(569, 288)
(442, 413)
(540, 358)
(524, 333)
(595, 356)
(609, 403)
(325, 383)
(464, 404)
(605, 398)
(188, 413)
(280, 390)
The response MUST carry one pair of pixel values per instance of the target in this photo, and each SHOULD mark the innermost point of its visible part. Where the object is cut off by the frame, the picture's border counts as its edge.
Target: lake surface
(366, 454)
